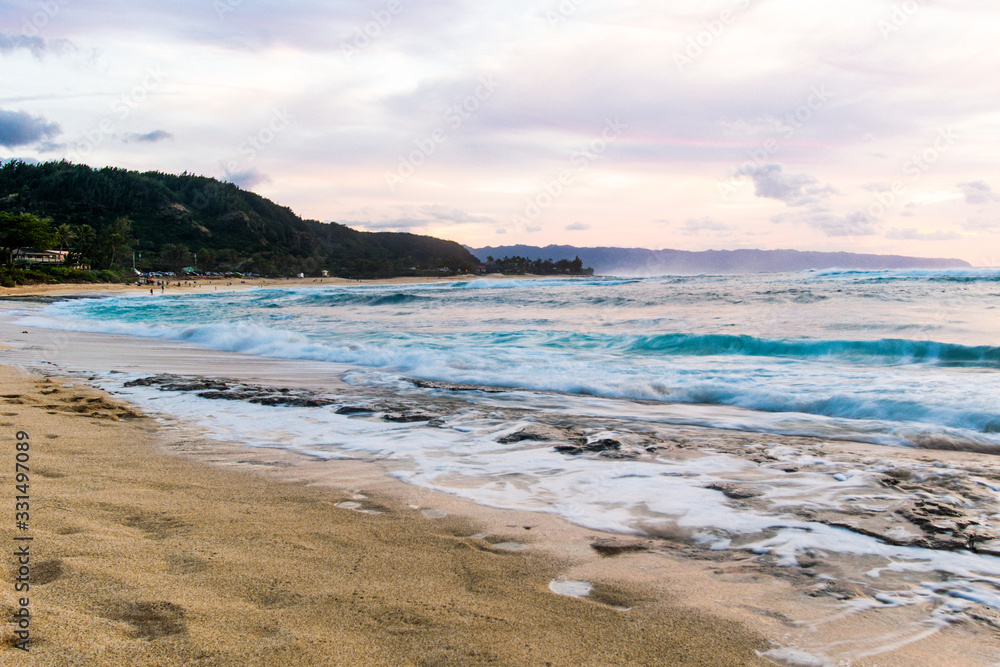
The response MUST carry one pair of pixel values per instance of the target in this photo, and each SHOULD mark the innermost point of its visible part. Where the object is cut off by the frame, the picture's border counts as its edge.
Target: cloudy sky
(857, 125)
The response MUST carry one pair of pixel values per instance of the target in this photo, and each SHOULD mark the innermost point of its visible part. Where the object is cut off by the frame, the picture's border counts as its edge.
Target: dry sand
(144, 557)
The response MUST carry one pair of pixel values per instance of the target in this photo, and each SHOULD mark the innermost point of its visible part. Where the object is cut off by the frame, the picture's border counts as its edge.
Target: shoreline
(147, 555)
(66, 289)
(784, 605)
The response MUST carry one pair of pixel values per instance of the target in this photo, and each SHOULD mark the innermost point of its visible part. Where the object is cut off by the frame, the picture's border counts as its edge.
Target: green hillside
(103, 215)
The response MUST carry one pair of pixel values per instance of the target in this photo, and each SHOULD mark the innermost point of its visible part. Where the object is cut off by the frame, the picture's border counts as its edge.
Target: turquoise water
(894, 357)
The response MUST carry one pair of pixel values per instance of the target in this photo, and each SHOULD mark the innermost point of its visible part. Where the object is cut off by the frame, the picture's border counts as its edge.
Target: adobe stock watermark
(915, 167)
(56, 343)
(372, 30)
(704, 40)
(46, 11)
(900, 16)
(121, 109)
(254, 144)
(562, 13)
(788, 126)
(454, 117)
(580, 162)
(223, 7)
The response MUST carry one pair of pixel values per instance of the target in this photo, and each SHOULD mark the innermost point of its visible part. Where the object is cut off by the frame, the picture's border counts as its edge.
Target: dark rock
(623, 456)
(407, 417)
(230, 391)
(223, 395)
(597, 446)
(456, 386)
(292, 401)
(355, 409)
(734, 491)
(940, 509)
(615, 547)
(602, 445)
(201, 385)
(175, 383)
(522, 435)
(149, 382)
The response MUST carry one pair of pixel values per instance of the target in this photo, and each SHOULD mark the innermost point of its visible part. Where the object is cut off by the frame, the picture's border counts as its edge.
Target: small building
(28, 256)
(325, 273)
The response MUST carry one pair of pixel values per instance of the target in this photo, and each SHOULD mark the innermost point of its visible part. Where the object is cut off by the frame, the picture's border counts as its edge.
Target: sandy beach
(143, 557)
(221, 284)
(153, 544)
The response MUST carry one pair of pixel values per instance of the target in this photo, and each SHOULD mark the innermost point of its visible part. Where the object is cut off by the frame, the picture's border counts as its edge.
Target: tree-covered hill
(103, 215)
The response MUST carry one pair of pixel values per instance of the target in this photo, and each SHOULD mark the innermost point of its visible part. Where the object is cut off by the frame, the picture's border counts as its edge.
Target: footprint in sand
(149, 620)
(46, 571)
(584, 589)
(570, 588)
(357, 507)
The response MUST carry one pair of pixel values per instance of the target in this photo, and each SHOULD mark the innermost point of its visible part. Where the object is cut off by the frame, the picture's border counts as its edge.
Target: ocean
(905, 358)
(715, 410)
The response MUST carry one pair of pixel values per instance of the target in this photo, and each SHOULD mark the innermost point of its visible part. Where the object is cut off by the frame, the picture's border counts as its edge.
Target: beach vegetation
(540, 267)
(24, 230)
(109, 218)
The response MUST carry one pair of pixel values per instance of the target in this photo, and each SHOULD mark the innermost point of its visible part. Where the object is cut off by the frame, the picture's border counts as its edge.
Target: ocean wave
(527, 360)
(885, 275)
(885, 351)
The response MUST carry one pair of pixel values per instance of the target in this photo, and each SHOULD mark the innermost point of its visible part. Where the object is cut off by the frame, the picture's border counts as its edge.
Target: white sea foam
(666, 496)
(907, 405)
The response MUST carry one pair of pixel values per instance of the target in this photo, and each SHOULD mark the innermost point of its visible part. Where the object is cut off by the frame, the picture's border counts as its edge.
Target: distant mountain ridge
(641, 261)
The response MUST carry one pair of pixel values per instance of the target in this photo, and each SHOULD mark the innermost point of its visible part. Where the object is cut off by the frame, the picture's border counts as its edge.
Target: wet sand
(141, 556)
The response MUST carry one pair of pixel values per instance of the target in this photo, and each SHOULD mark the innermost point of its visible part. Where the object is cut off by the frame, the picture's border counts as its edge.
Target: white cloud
(408, 217)
(146, 137)
(911, 234)
(850, 225)
(978, 192)
(695, 226)
(246, 178)
(771, 182)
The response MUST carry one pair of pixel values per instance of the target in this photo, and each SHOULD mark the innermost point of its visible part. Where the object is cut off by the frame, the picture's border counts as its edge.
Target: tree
(116, 238)
(64, 235)
(175, 256)
(207, 258)
(86, 246)
(23, 230)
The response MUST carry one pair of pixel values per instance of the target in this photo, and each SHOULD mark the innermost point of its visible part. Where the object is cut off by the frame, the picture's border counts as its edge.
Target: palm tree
(87, 239)
(64, 235)
(117, 236)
